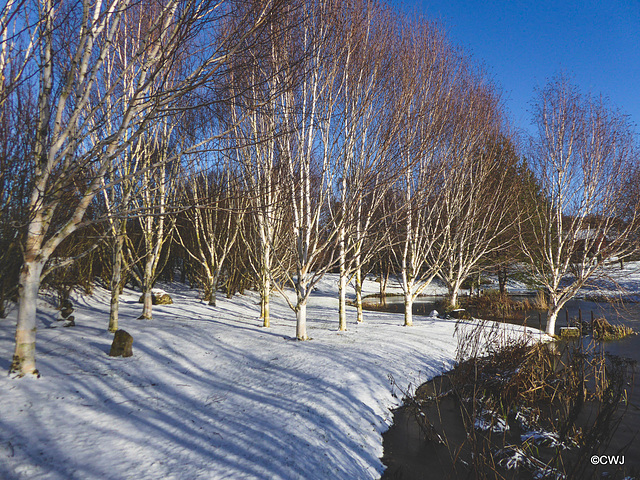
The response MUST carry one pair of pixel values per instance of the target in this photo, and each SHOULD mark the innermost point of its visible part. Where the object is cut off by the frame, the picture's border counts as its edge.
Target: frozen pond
(616, 313)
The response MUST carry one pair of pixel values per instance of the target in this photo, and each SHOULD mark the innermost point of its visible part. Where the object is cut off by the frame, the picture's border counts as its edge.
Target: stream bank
(522, 412)
(413, 451)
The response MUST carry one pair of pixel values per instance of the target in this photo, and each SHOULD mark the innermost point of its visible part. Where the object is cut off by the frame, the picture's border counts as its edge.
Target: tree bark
(408, 309)
(359, 294)
(147, 304)
(208, 289)
(214, 286)
(266, 318)
(301, 321)
(266, 281)
(454, 298)
(116, 278)
(24, 357)
(552, 316)
(454, 290)
(342, 296)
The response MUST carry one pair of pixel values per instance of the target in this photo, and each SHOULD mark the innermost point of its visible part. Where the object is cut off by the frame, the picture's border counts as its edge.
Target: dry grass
(540, 301)
(604, 331)
(541, 388)
(497, 305)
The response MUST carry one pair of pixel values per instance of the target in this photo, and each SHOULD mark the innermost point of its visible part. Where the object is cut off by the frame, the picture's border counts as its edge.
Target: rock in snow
(122, 345)
(158, 297)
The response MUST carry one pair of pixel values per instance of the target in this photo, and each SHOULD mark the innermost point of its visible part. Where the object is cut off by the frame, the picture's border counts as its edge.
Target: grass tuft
(605, 331)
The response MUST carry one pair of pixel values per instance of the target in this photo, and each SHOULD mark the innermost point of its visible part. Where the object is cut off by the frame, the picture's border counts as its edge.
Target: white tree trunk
(454, 298)
(301, 321)
(454, 292)
(552, 313)
(116, 278)
(214, 295)
(24, 357)
(359, 294)
(266, 280)
(552, 316)
(342, 296)
(266, 319)
(408, 309)
(114, 309)
(209, 289)
(147, 305)
(147, 300)
(214, 286)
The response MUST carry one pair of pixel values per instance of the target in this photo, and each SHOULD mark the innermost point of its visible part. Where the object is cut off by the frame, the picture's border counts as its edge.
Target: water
(629, 347)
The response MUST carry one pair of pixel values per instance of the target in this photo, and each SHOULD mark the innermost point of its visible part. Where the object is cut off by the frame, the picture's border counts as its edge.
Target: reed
(605, 331)
(528, 411)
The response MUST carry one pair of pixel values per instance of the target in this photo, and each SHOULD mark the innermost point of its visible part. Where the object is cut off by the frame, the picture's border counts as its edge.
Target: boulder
(66, 309)
(164, 299)
(569, 332)
(122, 345)
(459, 314)
(158, 297)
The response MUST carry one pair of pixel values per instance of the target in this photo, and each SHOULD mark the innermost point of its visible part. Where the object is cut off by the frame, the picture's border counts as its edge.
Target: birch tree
(17, 117)
(583, 154)
(121, 177)
(257, 117)
(72, 41)
(477, 185)
(156, 194)
(214, 218)
(309, 149)
(369, 125)
(428, 79)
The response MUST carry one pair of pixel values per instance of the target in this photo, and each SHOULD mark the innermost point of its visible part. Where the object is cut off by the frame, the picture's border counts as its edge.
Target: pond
(627, 314)
(616, 313)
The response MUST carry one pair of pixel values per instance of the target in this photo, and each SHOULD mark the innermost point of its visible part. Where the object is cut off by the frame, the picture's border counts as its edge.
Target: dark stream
(405, 444)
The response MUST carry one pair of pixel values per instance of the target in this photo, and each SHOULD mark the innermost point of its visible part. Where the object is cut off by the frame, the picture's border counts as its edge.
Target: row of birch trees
(262, 144)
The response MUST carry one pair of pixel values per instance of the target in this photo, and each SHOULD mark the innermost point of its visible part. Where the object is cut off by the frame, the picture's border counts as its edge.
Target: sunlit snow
(209, 393)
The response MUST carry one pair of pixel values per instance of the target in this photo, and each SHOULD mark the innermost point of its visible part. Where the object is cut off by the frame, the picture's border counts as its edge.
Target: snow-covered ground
(615, 283)
(610, 282)
(209, 394)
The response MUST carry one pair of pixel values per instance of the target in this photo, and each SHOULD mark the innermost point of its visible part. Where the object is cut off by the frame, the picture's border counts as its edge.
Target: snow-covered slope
(210, 394)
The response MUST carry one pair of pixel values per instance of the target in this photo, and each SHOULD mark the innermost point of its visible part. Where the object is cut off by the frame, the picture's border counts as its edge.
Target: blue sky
(524, 43)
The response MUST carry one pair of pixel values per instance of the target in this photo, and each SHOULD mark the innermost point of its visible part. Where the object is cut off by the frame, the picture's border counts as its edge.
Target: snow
(209, 393)
(615, 283)
(542, 437)
(610, 281)
(488, 420)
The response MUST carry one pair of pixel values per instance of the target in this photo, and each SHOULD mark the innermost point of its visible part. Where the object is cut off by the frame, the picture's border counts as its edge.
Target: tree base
(16, 370)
